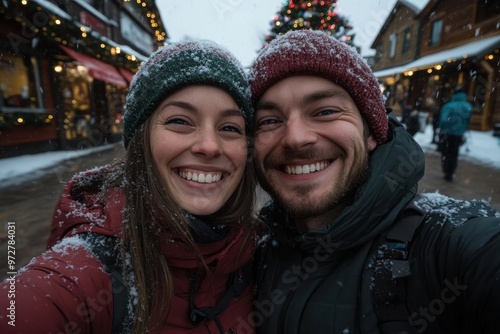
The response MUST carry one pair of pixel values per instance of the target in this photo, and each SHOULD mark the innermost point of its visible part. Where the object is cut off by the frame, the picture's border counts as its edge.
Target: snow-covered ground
(481, 148)
(31, 166)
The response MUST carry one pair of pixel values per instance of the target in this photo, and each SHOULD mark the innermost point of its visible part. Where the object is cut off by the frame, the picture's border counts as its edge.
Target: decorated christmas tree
(310, 14)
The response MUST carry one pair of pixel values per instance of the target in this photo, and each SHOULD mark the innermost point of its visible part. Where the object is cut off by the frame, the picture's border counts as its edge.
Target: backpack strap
(237, 284)
(391, 267)
(105, 250)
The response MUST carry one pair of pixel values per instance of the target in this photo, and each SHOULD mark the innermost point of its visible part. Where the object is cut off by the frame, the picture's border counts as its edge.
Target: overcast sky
(241, 25)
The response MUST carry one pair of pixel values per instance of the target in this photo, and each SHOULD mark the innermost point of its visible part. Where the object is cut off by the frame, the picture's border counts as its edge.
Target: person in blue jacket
(453, 122)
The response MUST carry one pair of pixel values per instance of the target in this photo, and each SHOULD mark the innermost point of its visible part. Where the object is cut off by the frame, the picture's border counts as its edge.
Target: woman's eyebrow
(194, 110)
(231, 112)
(180, 104)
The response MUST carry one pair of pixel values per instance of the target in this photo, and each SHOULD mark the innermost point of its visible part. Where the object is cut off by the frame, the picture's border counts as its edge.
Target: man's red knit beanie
(308, 52)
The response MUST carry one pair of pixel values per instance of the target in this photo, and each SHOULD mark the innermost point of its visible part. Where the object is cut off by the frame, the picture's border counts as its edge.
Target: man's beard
(337, 198)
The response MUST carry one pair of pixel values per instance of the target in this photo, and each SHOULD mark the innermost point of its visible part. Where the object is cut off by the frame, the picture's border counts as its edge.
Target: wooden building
(65, 67)
(452, 43)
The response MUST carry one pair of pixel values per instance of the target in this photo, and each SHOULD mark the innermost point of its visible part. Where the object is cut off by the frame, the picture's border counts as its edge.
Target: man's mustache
(312, 154)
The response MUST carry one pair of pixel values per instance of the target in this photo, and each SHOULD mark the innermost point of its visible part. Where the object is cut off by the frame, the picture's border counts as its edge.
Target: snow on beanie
(308, 52)
(176, 66)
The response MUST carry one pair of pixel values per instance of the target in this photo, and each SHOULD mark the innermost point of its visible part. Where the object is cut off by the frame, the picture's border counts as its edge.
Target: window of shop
(19, 83)
(74, 86)
(116, 103)
(437, 26)
(480, 84)
(392, 50)
(21, 96)
(93, 109)
(432, 98)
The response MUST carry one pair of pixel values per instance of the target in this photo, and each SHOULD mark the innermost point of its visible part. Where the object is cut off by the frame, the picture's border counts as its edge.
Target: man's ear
(372, 143)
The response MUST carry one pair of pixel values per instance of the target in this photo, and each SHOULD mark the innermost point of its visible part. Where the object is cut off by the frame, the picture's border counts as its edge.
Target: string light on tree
(311, 14)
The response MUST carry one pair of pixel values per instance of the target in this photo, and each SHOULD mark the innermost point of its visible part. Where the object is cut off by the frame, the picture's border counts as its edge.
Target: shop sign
(92, 22)
(134, 33)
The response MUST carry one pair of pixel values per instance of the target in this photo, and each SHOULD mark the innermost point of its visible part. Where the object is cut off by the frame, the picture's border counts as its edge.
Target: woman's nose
(207, 144)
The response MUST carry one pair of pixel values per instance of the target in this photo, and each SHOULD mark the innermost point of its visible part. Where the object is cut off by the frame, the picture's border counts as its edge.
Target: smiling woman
(163, 240)
(199, 146)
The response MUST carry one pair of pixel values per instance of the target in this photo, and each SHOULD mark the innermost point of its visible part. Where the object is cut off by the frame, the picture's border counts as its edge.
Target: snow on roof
(61, 13)
(476, 48)
(54, 9)
(390, 71)
(415, 5)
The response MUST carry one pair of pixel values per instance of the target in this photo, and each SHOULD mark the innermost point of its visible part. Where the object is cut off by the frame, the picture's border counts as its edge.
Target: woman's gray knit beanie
(176, 66)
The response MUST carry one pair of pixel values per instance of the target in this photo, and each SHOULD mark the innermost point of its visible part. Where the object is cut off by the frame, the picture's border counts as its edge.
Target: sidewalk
(472, 180)
(28, 201)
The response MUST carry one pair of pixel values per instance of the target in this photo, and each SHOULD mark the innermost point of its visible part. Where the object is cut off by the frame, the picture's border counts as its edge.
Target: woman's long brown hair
(149, 212)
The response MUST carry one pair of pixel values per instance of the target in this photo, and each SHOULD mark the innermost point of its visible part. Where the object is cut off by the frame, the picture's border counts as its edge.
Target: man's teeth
(201, 177)
(306, 169)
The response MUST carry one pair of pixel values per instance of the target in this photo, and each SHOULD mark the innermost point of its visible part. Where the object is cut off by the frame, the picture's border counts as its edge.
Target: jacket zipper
(287, 302)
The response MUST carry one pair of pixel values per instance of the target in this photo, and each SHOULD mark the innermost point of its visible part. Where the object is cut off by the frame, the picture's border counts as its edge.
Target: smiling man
(313, 148)
(342, 174)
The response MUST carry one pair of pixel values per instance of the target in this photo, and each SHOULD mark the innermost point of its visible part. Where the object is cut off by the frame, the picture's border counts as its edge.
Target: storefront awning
(472, 49)
(126, 74)
(97, 69)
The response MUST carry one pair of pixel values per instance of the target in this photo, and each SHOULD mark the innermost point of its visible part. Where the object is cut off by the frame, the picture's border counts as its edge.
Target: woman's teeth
(306, 169)
(201, 177)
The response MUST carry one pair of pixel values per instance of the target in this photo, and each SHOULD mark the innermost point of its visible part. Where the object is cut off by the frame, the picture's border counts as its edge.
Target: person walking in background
(352, 248)
(413, 119)
(435, 111)
(162, 241)
(413, 122)
(454, 121)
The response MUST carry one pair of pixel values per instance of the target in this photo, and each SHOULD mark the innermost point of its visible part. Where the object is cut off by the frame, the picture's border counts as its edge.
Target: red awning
(97, 69)
(126, 74)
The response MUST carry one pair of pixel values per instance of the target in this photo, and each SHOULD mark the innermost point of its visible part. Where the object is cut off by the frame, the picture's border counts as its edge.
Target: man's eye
(326, 112)
(267, 121)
